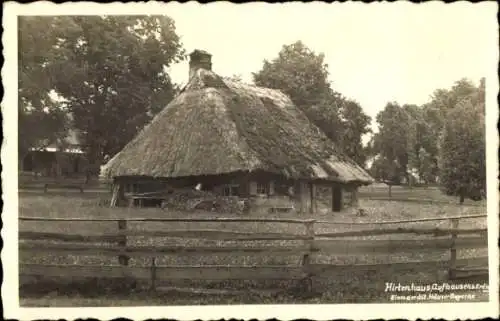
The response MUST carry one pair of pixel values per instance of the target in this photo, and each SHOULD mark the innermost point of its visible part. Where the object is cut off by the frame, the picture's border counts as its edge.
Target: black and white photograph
(255, 160)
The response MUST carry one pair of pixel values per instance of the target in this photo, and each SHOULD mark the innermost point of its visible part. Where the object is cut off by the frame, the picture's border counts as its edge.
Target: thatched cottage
(237, 140)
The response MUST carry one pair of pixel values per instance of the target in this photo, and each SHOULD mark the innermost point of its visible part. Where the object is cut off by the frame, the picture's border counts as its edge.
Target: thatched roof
(217, 126)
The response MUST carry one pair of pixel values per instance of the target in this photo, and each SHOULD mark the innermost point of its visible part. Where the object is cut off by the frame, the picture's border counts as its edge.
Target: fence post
(122, 226)
(453, 250)
(306, 260)
(153, 274)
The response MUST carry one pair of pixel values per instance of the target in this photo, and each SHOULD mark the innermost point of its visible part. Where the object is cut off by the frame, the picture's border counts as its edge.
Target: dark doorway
(76, 165)
(28, 163)
(336, 198)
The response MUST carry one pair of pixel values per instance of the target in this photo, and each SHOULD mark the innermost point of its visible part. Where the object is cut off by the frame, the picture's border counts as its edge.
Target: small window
(230, 190)
(263, 188)
(131, 188)
(283, 188)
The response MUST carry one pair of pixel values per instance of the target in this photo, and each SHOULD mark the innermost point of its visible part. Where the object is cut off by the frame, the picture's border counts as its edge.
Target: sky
(376, 53)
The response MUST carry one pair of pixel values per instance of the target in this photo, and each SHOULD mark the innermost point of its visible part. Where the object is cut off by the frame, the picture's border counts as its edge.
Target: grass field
(343, 287)
(416, 194)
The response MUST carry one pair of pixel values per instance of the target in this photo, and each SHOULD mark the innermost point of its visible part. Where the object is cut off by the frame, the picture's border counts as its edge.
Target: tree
(443, 100)
(303, 74)
(391, 140)
(298, 72)
(41, 120)
(386, 171)
(421, 143)
(355, 124)
(111, 71)
(433, 122)
(326, 115)
(462, 148)
(436, 113)
(427, 167)
(409, 135)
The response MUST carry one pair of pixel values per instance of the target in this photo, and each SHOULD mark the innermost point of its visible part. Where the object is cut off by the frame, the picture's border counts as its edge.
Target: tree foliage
(462, 147)
(303, 74)
(110, 70)
(299, 72)
(421, 145)
(441, 140)
(385, 170)
(355, 124)
(391, 140)
(41, 119)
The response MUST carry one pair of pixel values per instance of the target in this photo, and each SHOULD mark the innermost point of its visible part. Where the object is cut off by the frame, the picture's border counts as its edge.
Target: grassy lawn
(342, 287)
(415, 194)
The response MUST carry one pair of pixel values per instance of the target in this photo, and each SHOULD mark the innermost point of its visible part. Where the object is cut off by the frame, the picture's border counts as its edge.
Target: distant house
(238, 140)
(63, 158)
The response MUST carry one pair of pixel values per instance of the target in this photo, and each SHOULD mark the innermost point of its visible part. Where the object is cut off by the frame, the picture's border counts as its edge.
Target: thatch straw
(218, 126)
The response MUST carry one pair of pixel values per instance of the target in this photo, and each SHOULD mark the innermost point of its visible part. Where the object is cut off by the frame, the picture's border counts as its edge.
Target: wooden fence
(308, 244)
(46, 183)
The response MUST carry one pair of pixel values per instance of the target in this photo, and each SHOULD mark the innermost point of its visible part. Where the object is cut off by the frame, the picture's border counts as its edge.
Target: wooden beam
(214, 272)
(311, 198)
(348, 247)
(168, 219)
(354, 197)
(149, 251)
(114, 196)
(271, 187)
(298, 196)
(166, 272)
(46, 236)
(228, 235)
(333, 197)
(400, 230)
(453, 250)
(221, 235)
(123, 259)
(235, 219)
(327, 270)
(341, 197)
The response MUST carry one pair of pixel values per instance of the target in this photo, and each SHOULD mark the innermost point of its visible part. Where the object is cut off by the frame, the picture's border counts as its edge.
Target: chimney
(199, 59)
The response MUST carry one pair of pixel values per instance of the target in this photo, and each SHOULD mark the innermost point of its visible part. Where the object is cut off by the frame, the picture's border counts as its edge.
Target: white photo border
(10, 291)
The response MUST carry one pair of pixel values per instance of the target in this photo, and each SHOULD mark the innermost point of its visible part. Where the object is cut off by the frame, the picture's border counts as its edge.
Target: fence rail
(306, 246)
(44, 183)
(180, 219)
(238, 219)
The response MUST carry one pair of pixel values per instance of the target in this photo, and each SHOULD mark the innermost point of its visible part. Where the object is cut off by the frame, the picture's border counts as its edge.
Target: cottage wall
(263, 191)
(346, 197)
